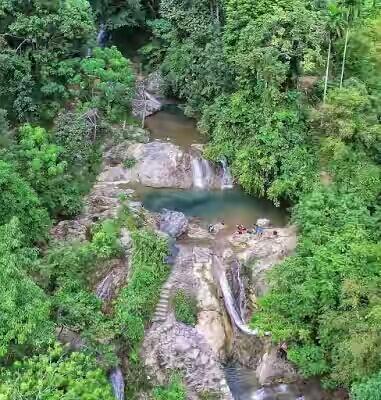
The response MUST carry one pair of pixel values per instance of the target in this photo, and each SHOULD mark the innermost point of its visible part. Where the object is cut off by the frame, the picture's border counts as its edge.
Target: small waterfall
(198, 181)
(238, 289)
(102, 36)
(103, 290)
(230, 302)
(227, 180)
(202, 173)
(117, 381)
(207, 170)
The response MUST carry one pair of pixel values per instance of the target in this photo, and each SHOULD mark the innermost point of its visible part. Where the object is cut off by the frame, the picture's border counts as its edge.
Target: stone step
(159, 318)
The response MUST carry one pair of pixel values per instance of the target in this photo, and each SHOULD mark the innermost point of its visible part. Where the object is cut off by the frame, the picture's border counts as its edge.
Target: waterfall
(198, 181)
(117, 382)
(202, 173)
(229, 300)
(227, 181)
(102, 36)
(207, 170)
(103, 290)
(238, 289)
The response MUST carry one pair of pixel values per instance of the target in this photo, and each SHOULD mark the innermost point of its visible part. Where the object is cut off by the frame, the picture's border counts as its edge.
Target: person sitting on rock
(258, 230)
(241, 229)
(211, 228)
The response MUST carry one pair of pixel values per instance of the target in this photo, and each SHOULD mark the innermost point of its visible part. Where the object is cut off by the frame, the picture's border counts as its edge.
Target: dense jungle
(283, 99)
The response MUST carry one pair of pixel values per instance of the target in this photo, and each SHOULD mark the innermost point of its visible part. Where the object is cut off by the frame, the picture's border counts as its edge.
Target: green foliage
(18, 199)
(138, 300)
(117, 14)
(76, 139)
(55, 375)
(106, 82)
(41, 163)
(24, 308)
(40, 41)
(324, 299)
(129, 162)
(174, 391)
(368, 390)
(279, 136)
(185, 308)
(350, 116)
(75, 261)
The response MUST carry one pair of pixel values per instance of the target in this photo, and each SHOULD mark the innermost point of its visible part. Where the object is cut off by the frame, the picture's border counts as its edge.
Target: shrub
(138, 300)
(174, 391)
(55, 375)
(129, 162)
(185, 308)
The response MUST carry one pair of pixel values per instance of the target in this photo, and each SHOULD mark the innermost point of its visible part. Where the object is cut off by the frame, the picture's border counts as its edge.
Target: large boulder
(148, 95)
(162, 165)
(273, 368)
(156, 164)
(173, 346)
(173, 223)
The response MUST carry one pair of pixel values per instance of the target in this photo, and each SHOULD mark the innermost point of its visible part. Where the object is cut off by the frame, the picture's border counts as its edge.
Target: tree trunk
(344, 56)
(327, 70)
(145, 108)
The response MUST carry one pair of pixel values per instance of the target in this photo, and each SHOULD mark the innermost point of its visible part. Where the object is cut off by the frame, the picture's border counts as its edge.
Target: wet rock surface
(260, 252)
(173, 223)
(157, 165)
(273, 368)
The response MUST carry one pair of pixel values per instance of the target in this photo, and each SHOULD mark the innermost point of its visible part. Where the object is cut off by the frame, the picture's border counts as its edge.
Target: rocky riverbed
(199, 352)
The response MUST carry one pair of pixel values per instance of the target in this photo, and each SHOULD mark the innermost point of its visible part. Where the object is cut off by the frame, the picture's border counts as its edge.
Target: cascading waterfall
(229, 300)
(238, 289)
(117, 382)
(227, 180)
(202, 173)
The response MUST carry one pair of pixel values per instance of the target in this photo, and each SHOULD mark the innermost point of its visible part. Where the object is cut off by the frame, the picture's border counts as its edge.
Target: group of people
(256, 230)
(241, 229)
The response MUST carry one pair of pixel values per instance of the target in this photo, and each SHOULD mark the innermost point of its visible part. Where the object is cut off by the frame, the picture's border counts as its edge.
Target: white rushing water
(244, 385)
(227, 180)
(202, 173)
(117, 381)
(229, 301)
(103, 290)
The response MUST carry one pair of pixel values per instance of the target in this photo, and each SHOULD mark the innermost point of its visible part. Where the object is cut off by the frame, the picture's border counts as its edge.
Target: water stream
(117, 381)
